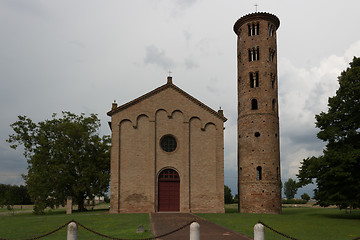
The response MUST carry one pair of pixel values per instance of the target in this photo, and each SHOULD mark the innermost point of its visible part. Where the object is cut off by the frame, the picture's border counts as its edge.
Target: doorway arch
(168, 191)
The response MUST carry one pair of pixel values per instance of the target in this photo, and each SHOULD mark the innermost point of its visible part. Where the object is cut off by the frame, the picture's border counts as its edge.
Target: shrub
(305, 197)
(293, 201)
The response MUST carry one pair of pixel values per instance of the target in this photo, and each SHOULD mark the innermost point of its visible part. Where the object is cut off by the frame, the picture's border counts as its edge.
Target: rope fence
(284, 235)
(272, 229)
(114, 238)
(44, 235)
(160, 236)
(103, 235)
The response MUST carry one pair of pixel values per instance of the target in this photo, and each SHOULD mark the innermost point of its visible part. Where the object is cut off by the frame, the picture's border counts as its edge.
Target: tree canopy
(305, 197)
(11, 195)
(228, 197)
(336, 172)
(66, 157)
(290, 188)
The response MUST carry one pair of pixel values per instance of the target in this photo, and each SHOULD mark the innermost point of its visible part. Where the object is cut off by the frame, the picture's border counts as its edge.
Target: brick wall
(137, 158)
(258, 129)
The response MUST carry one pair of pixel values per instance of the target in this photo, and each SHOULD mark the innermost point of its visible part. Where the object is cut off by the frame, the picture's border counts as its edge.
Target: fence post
(72, 232)
(68, 205)
(259, 232)
(194, 231)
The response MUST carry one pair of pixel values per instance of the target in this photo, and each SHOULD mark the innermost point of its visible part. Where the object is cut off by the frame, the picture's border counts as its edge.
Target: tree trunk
(80, 202)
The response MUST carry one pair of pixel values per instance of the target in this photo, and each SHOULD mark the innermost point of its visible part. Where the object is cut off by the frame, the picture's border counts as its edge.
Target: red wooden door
(169, 191)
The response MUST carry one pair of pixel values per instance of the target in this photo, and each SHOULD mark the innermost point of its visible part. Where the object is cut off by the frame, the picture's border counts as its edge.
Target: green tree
(236, 199)
(305, 197)
(24, 197)
(290, 188)
(66, 157)
(336, 172)
(227, 195)
(3, 190)
(11, 195)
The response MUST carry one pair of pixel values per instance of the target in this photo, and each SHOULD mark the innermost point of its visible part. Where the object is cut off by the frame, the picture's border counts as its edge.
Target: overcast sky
(81, 55)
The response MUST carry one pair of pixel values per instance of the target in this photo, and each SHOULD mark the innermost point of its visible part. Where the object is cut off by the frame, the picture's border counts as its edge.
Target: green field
(26, 225)
(301, 223)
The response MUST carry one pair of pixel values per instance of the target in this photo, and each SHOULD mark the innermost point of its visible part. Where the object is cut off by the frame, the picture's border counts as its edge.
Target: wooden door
(169, 191)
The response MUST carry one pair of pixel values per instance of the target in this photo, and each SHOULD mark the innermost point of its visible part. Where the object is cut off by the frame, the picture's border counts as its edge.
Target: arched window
(271, 54)
(271, 30)
(254, 54)
(272, 78)
(258, 173)
(254, 104)
(169, 175)
(273, 104)
(254, 79)
(253, 29)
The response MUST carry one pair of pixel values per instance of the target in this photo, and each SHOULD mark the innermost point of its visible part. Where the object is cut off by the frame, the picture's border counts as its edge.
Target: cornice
(256, 16)
(160, 89)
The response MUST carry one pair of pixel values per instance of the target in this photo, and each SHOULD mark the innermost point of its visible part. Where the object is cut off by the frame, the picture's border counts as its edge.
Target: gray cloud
(11, 165)
(187, 35)
(79, 56)
(189, 64)
(185, 3)
(33, 8)
(157, 57)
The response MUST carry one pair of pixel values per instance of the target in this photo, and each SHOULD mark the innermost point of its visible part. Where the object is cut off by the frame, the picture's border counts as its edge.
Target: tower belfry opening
(259, 185)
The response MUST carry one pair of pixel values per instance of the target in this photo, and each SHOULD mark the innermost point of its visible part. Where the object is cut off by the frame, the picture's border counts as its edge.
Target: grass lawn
(17, 208)
(27, 225)
(300, 223)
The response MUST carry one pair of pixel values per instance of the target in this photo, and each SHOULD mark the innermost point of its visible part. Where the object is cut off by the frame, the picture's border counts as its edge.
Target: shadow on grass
(342, 215)
(63, 212)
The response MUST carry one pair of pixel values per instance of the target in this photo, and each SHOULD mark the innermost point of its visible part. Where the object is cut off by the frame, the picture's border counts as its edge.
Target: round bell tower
(259, 182)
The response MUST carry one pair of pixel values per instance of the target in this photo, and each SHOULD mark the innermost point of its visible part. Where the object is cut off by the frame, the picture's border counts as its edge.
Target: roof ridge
(161, 88)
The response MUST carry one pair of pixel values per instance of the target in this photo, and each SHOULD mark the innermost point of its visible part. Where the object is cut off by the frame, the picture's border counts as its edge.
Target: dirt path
(165, 222)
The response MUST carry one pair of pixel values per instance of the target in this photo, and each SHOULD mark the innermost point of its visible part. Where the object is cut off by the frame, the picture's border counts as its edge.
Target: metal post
(194, 231)
(72, 233)
(259, 232)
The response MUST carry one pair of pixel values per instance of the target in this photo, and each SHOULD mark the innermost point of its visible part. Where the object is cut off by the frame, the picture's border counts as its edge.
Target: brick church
(168, 148)
(167, 154)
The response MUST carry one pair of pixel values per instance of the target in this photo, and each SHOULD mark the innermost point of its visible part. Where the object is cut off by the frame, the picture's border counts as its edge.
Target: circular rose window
(168, 143)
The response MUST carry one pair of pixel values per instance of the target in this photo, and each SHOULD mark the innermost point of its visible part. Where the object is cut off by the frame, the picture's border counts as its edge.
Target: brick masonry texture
(258, 130)
(137, 158)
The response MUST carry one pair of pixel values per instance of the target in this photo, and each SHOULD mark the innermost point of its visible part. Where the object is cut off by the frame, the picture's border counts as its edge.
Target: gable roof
(169, 84)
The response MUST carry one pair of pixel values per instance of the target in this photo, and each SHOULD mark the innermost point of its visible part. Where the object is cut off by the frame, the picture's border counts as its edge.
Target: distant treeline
(11, 195)
(294, 201)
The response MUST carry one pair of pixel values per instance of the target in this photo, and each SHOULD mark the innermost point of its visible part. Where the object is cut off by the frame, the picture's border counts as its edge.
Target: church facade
(167, 154)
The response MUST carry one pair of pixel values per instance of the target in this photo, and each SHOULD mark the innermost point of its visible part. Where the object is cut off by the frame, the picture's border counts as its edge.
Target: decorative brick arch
(168, 191)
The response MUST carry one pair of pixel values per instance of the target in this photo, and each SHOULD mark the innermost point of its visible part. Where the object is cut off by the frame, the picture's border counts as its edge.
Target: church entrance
(169, 191)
